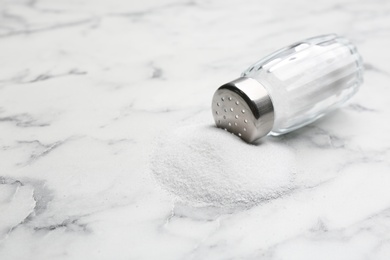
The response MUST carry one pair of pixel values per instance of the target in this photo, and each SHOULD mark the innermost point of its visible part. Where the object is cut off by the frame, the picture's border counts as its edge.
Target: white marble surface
(87, 86)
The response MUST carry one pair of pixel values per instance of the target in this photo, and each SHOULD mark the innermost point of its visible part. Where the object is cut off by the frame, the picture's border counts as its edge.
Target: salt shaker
(290, 88)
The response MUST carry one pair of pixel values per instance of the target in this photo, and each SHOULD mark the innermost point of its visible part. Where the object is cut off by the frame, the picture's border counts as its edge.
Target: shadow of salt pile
(204, 167)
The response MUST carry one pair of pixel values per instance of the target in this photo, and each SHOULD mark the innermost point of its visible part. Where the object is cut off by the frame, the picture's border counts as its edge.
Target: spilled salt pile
(204, 166)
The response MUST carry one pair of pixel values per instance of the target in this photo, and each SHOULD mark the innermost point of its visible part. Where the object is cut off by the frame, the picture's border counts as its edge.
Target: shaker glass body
(308, 79)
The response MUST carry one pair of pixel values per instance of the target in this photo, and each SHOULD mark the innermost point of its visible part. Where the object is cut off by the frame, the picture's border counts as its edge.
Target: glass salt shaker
(290, 88)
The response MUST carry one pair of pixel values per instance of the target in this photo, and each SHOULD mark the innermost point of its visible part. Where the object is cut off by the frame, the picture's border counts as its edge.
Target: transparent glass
(308, 79)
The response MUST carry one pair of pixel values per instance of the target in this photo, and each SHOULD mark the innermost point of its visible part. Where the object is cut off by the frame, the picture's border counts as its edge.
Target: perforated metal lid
(243, 107)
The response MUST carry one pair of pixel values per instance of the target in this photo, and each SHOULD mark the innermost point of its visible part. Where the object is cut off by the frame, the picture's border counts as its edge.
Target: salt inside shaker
(290, 88)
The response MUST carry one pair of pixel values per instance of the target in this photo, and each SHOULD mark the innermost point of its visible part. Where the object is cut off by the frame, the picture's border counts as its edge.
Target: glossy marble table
(86, 87)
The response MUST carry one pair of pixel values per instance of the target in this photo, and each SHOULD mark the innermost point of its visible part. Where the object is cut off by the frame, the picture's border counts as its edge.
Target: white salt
(205, 166)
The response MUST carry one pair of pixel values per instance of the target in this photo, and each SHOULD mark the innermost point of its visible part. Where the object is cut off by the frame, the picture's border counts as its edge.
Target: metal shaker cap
(244, 108)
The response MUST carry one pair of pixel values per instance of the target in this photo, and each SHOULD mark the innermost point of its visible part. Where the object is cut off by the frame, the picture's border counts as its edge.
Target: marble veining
(86, 87)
